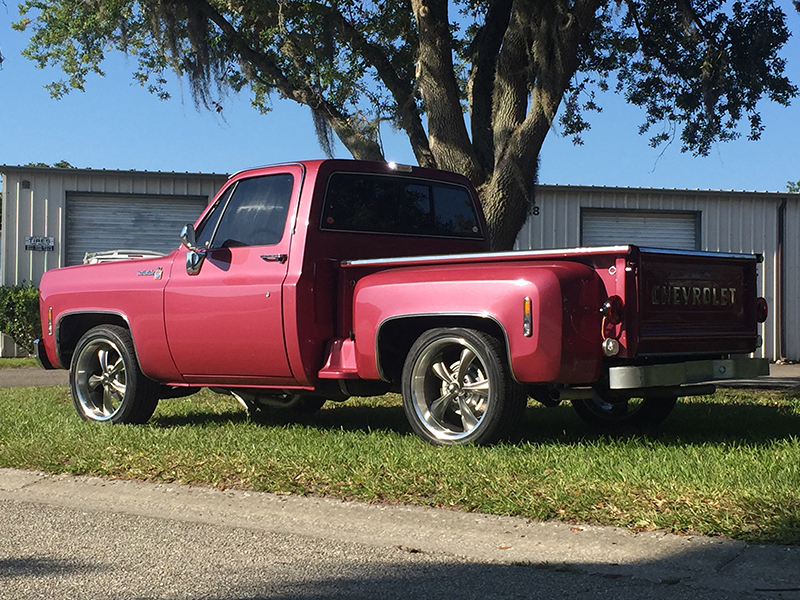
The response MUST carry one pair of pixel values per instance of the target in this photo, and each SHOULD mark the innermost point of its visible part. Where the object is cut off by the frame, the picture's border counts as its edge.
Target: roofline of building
(129, 173)
(541, 186)
(682, 191)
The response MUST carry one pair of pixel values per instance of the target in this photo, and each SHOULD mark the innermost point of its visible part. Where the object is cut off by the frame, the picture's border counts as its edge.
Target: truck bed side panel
(564, 298)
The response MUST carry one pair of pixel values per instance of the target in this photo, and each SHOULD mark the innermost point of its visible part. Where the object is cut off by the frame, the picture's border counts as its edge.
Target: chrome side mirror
(188, 237)
(194, 262)
(195, 256)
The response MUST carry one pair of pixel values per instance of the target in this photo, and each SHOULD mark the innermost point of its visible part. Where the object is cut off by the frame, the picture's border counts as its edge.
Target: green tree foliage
(793, 187)
(62, 164)
(19, 314)
(475, 84)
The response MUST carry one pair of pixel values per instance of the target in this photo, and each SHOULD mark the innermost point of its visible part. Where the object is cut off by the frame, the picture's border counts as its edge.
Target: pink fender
(565, 342)
(131, 290)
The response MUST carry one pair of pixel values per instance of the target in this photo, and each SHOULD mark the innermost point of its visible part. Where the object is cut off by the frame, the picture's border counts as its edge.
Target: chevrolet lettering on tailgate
(682, 295)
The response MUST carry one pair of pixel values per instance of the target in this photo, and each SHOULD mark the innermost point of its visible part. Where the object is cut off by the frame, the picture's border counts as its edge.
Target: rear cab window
(390, 204)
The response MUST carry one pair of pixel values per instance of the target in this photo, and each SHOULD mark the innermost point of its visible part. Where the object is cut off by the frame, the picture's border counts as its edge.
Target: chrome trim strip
(554, 252)
(698, 253)
(57, 327)
(649, 376)
(514, 254)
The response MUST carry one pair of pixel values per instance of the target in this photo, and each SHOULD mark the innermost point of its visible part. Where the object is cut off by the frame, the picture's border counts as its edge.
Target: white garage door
(652, 229)
(109, 222)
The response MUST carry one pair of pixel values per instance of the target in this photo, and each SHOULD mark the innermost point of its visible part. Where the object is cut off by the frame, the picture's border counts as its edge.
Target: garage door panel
(98, 223)
(652, 229)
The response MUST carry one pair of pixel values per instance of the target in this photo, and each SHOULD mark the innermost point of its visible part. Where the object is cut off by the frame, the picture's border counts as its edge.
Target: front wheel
(458, 389)
(633, 412)
(105, 380)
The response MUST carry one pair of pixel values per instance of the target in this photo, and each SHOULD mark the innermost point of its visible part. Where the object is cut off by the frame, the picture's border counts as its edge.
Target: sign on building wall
(40, 242)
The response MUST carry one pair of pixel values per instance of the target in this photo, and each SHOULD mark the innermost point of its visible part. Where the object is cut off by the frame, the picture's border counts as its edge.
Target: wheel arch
(72, 326)
(396, 335)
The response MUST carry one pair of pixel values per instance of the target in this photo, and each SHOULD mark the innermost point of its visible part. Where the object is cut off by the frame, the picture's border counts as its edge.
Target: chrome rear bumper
(650, 376)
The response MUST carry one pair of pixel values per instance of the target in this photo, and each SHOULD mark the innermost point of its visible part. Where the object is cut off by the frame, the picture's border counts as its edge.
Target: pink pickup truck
(321, 280)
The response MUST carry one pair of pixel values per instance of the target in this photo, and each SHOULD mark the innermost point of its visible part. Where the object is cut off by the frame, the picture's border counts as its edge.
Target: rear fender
(564, 297)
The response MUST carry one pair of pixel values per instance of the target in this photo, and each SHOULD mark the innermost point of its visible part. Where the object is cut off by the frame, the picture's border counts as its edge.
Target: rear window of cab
(389, 204)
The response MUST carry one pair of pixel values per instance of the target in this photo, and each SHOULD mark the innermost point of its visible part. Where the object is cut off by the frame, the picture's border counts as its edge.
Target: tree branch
(359, 145)
(484, 56)
(511, 86)
(554, 38)
(448, 136)
(402, 91)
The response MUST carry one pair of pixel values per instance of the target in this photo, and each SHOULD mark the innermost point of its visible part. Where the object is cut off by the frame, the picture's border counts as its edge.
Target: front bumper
(41, 355)
(670, 375)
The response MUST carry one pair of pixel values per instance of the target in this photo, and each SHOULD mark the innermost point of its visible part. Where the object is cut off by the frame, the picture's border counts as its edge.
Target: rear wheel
(105, 380)
(458, 389)
(633, 412)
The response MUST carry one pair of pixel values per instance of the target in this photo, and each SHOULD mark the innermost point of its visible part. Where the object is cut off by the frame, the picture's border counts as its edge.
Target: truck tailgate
(696, 302)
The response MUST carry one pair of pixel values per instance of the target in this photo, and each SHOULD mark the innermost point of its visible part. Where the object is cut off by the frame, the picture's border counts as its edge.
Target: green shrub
(19, 314)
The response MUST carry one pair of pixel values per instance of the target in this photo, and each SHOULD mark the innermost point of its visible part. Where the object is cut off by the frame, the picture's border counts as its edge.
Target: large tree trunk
(537, 61)
(447, 132)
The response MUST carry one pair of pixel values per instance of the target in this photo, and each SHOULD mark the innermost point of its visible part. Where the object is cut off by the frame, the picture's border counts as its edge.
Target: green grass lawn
(727, 464)
(18, 363)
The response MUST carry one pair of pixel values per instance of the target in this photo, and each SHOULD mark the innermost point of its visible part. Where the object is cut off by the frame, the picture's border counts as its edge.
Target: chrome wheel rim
(450, 389)
(100, 380)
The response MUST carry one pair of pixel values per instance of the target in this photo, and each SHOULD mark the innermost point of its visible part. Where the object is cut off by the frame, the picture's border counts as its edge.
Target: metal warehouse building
(52, 217)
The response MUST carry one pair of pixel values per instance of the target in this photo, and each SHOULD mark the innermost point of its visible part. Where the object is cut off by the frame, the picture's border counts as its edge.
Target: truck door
(225, 322)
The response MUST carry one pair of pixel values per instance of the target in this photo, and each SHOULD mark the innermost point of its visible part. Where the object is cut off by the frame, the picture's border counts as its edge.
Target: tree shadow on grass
(697, 421)
(338, 417)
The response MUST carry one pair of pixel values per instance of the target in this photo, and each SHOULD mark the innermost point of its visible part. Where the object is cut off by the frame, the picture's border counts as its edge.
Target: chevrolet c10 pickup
(321, 280)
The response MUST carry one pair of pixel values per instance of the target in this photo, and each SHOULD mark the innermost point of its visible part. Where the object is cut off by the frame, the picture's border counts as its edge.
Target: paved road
(27, 377)
(75, 537)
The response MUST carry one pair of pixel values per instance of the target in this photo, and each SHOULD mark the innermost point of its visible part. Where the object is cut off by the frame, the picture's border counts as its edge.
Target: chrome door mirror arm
(196, 255)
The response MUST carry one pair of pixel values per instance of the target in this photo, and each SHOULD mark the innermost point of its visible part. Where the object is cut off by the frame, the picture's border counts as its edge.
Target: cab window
(399, 205)
(253, 213)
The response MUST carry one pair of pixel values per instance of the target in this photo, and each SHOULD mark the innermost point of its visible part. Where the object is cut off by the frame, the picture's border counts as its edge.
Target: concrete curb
(715, 563)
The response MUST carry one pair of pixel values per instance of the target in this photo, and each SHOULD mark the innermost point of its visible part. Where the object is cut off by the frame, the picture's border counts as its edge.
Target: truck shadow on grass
(699, 420)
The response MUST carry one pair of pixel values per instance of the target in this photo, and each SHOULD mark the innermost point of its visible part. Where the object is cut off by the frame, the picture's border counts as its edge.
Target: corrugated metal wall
(34, 204)
(729, 222)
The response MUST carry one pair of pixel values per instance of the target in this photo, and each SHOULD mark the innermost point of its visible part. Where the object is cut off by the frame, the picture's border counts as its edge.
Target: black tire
(105, 380)
(448, 402)
(636, 413)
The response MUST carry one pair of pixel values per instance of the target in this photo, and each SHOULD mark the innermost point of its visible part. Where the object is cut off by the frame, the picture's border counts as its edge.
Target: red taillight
(762, 310)
(613, 310)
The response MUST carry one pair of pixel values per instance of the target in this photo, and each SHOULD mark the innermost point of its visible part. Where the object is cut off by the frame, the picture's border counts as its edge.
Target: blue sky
(116, 124)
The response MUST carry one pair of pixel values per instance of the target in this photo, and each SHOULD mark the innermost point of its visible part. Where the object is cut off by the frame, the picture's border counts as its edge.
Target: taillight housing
(762, 310)
(613, 310)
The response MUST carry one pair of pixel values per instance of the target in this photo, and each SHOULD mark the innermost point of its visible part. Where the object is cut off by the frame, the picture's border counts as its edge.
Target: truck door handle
(281, 258)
